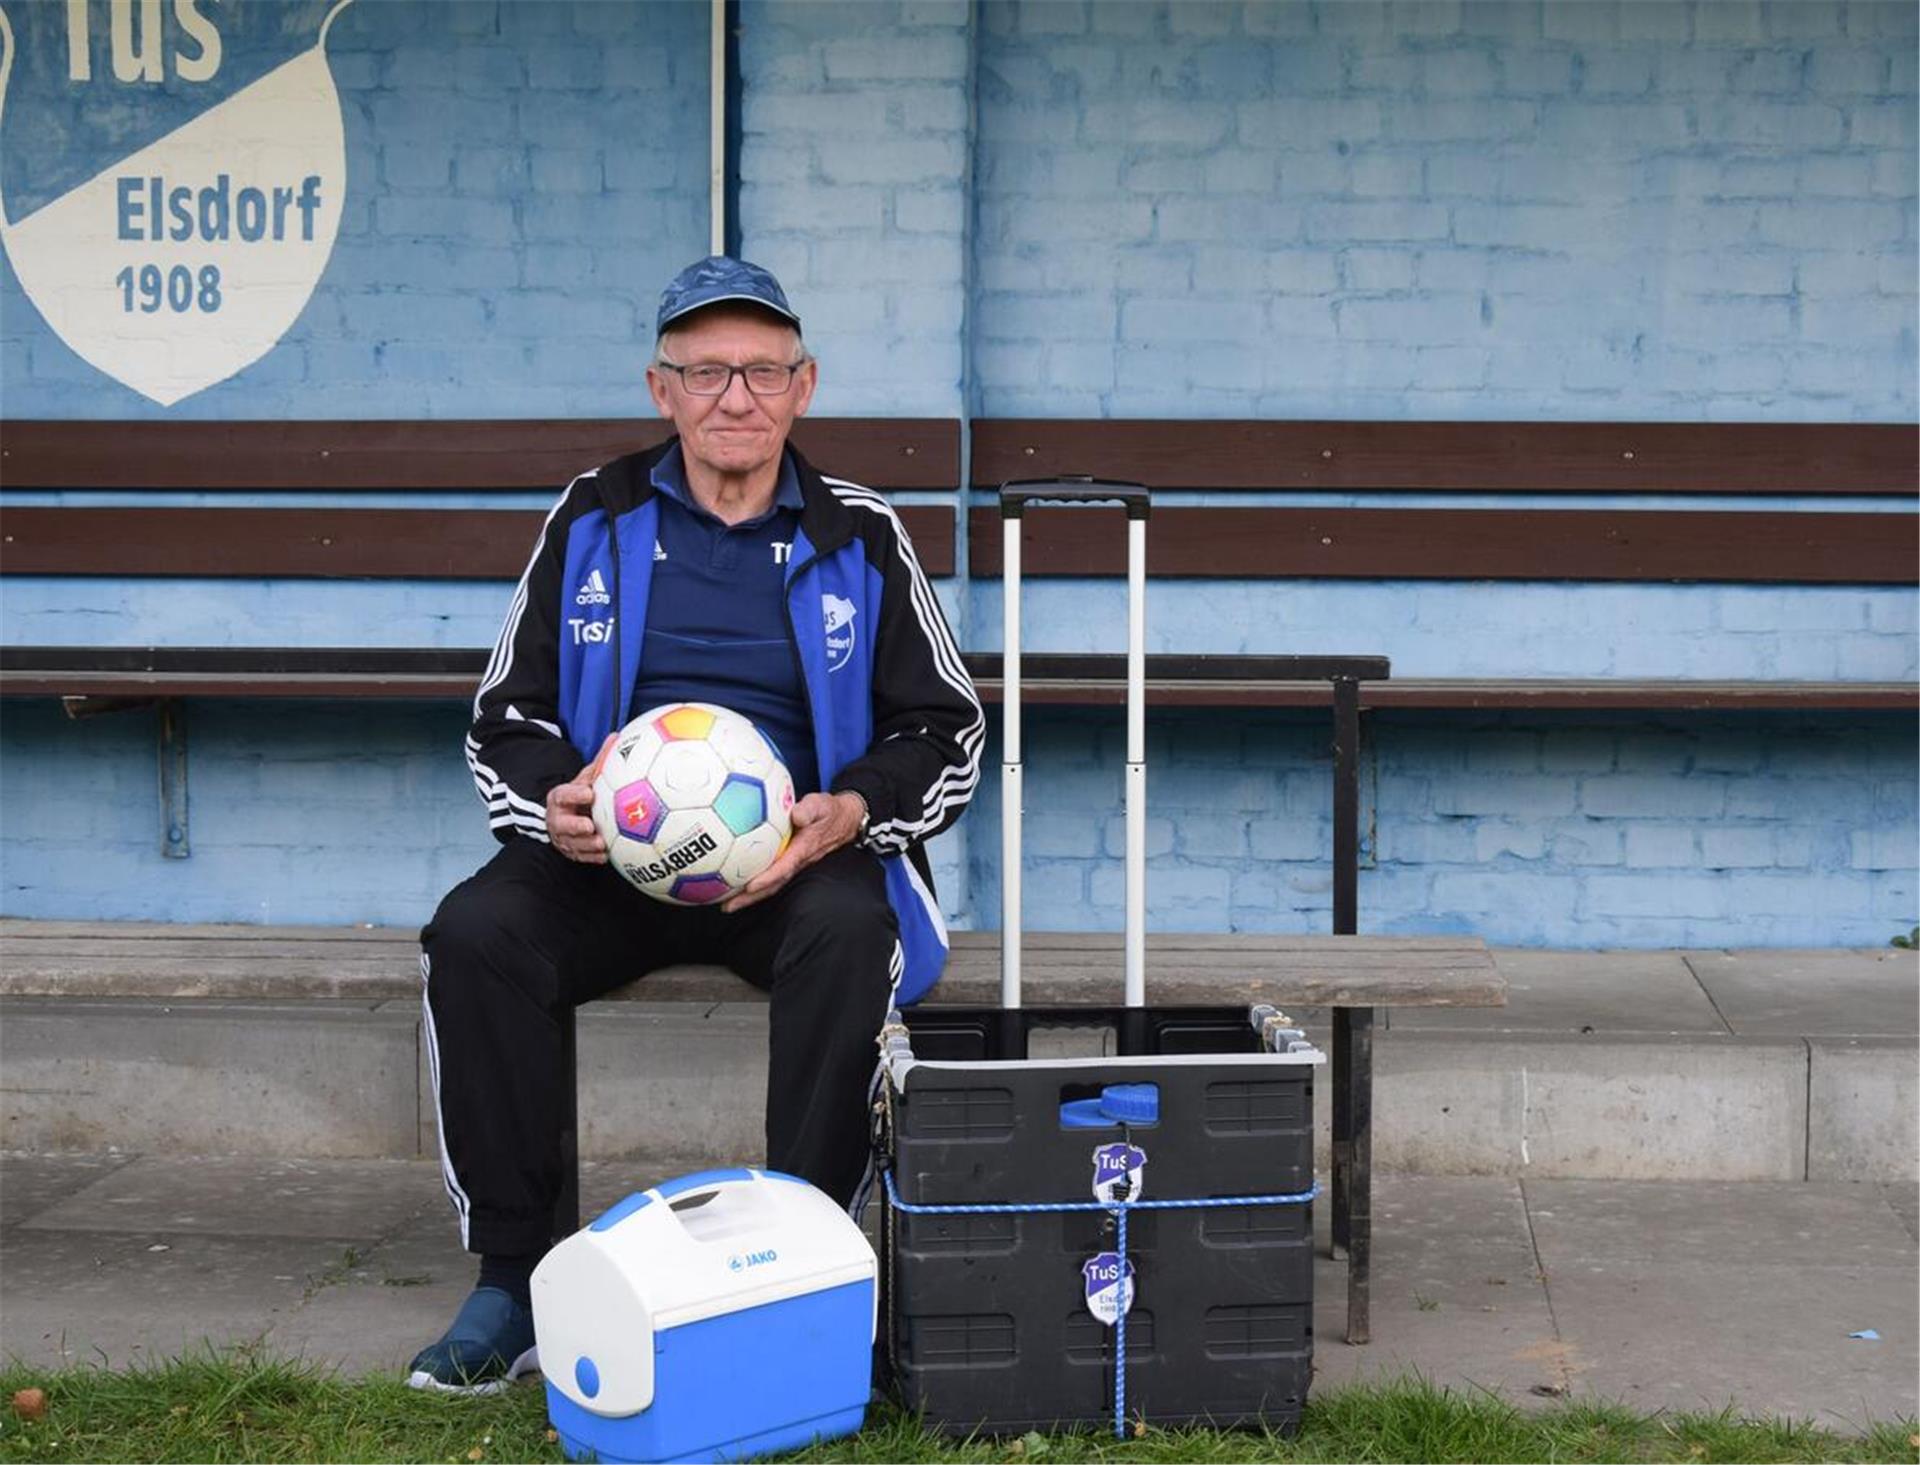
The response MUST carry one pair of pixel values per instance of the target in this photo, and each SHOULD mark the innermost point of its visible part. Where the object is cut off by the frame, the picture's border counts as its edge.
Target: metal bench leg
(1352, 1033)
(1342, 1124)
(1353, 1162)
(566, 1206)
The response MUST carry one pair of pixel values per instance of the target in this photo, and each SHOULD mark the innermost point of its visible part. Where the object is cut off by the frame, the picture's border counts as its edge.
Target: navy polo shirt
(717, 616)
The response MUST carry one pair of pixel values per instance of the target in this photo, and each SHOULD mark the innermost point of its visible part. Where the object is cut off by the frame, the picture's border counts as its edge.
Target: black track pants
(533, 933)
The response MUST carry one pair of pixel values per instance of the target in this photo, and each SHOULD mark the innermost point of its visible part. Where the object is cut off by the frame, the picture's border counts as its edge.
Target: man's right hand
(570, 813)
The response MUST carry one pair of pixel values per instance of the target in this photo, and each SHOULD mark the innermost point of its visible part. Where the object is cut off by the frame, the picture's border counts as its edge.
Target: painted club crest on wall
(172, 175)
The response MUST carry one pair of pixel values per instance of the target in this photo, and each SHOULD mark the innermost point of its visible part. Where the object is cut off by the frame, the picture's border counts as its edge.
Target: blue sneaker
(489, 1345)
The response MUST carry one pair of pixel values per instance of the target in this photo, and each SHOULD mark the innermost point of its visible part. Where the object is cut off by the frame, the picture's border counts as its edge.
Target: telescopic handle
(1014, 497)
(1074, 489)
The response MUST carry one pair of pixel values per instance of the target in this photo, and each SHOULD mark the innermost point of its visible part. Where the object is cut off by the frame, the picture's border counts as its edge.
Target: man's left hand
(821, 824)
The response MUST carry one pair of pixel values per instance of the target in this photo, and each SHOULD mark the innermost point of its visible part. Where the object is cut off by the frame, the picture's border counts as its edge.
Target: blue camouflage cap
(716, 278)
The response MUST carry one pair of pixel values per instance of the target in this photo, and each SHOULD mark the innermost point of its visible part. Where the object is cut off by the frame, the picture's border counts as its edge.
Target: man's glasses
(712, 378)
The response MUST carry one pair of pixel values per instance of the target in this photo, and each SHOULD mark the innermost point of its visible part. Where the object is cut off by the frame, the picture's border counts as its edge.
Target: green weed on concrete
(238, 1407)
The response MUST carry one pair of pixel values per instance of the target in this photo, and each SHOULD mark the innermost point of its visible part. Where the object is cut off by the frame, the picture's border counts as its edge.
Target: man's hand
(570, 813)
(821, 824)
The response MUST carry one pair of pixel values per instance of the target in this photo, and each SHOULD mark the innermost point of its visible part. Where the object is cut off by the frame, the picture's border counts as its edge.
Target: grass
(239, 1407)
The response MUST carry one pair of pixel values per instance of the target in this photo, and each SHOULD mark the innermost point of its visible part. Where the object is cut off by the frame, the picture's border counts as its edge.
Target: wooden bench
(89, 679)
(1261, 540)
(1254, 540)
(1528, 462)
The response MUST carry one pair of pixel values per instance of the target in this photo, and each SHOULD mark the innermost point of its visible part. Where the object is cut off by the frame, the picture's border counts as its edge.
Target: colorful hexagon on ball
(685, 720)
(638, 811)
(701, 889)
(742, 803)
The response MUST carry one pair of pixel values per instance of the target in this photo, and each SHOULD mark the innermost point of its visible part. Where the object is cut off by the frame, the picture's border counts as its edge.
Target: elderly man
(718, 568)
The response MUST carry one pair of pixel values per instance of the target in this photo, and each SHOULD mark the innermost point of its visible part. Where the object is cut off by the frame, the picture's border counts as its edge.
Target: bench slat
(1797, 458)
(1800, 459)
(1223, 953)
(155, 961)
(350, 456)
(320, 543)
(1530, 457)
(1092, 945)
(1677, 545)
(1546, 693)
(16, 930)
(49, 679)
(21, 955)
(22, 936)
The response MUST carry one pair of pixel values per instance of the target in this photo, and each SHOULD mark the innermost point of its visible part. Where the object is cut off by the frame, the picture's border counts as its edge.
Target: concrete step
(1583, 1075)
(1649, 1065)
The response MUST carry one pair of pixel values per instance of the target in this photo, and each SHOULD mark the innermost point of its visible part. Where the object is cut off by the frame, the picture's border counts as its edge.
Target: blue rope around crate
(1118, 1210)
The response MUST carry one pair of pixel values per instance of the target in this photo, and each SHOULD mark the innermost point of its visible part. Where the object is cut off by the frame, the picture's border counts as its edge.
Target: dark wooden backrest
(1527, 541)
(346, 457)
(1528, 461)
(355, 457)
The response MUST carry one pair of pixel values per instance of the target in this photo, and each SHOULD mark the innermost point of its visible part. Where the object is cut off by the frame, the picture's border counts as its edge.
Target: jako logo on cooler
(677, 858)
(739, 1263)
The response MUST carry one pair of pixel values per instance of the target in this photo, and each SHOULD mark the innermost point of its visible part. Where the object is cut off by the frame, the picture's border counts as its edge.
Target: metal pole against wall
(1136, 776)
(717, 129)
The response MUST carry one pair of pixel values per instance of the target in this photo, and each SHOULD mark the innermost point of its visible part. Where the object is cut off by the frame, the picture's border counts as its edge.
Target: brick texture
(1597, 210)
(854, 190)
(1593, 856)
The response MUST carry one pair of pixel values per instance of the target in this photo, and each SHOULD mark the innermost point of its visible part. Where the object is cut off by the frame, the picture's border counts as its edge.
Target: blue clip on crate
(723, 1314)
(1114, 1105)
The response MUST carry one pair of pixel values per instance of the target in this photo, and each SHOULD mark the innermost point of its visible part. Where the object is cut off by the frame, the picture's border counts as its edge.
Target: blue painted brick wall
(1766, 829)
(1741, 828)
(1495, 628)
(1597, 210)
(1578, 209)
(1100, 207)
(854, 190)
(297, 812)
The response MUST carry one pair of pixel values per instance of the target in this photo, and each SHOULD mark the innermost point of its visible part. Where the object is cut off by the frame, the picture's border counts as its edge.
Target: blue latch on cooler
(1117, 1103)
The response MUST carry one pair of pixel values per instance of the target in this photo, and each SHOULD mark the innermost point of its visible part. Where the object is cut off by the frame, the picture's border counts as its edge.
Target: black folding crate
(990, 1326)
(1010, 1318)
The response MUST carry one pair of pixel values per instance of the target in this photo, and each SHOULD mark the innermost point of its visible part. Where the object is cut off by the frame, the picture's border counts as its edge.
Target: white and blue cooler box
(723, 1314)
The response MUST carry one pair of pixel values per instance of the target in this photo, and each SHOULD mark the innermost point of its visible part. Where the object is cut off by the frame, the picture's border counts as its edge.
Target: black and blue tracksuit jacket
(895, 716)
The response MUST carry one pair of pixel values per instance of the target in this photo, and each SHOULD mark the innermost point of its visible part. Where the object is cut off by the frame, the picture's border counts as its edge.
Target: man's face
(736, 432)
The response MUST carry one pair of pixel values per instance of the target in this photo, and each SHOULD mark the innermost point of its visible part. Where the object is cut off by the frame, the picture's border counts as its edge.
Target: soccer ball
(692, 802)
